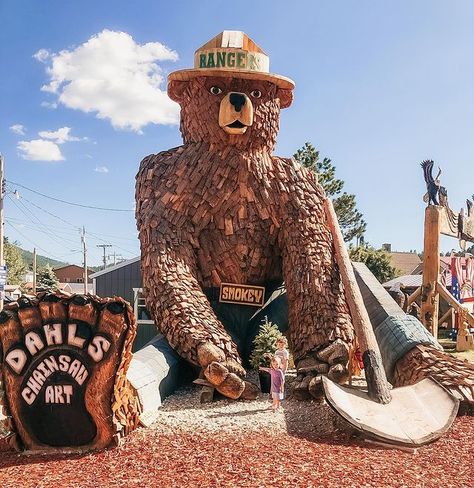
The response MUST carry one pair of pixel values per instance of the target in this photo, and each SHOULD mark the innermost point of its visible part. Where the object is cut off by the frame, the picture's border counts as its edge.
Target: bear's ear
(285, 96)
(176, 90)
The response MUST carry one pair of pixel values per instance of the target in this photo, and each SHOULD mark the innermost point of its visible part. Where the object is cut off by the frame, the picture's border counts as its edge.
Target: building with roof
(404, 261)
(125, 280)
(71, 273)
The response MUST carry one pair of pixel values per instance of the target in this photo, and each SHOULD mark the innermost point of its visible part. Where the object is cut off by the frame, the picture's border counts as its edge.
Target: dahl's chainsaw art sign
(63, 364)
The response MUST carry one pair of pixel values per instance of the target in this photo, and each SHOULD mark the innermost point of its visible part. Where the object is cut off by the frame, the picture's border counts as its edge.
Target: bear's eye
(256, 93)
(215, 90)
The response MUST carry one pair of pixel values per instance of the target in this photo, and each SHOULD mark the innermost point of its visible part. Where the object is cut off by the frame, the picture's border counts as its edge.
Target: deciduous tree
(15, 264)
(377, 260)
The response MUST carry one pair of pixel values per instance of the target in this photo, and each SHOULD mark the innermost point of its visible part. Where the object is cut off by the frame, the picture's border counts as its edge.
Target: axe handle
(377, 384)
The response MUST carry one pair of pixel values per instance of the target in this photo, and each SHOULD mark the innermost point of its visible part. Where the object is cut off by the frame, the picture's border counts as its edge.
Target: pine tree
(350, 219)
(46, 279)
(16, 266)
(265, 344)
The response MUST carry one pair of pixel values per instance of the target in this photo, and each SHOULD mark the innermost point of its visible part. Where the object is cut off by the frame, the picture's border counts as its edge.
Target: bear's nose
(237, 100)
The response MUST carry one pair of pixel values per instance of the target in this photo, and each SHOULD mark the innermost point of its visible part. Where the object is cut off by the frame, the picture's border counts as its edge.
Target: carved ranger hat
(232, 54)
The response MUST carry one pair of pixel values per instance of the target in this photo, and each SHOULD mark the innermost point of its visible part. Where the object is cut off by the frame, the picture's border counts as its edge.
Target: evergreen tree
(46, 280)
(16, 266)
(377, 260)
(350, 219)
(265, 344)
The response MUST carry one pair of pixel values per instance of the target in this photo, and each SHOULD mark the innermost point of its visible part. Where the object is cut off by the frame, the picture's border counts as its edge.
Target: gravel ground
(184, 411)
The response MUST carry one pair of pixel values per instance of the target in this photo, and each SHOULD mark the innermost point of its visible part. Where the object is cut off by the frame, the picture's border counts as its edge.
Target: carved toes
(229, 384)
(208, 353)
(336, 352)
(331, 361)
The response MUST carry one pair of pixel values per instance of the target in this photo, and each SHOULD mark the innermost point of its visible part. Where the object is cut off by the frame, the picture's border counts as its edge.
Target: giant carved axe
(407, 416)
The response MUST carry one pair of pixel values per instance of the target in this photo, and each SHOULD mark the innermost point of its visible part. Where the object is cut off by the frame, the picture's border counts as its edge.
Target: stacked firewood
(221, 208)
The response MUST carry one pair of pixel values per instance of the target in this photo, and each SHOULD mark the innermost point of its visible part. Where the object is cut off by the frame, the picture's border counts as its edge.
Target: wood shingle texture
(221, 208)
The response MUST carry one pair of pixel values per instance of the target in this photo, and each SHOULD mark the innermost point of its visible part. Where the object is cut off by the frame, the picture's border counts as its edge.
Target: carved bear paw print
(331, 361)
(225, 374)
(64, 361)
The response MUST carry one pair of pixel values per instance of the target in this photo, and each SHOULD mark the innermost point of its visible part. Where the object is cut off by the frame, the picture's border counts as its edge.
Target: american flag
(456, 276)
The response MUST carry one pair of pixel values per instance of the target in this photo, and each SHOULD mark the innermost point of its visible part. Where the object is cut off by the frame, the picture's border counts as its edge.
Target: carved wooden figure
(222, 209)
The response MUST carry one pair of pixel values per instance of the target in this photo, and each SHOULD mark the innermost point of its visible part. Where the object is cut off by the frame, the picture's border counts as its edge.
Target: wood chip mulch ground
(178, 453)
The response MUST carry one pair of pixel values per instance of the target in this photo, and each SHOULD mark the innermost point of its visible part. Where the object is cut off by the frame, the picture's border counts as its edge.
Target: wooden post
(84, 250)
(2, 235)
(465, 340)
(34, 271)
(431, 269)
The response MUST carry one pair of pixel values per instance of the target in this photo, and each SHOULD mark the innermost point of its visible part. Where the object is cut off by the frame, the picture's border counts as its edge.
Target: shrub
(265, 344)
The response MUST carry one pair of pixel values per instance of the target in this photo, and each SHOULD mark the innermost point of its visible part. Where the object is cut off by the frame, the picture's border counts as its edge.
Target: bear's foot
(225, 374)
(331, 361)
(229, 384)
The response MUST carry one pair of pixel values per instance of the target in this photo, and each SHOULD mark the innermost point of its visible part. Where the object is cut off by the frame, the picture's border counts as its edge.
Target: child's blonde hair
(277, 360)
(282, 340)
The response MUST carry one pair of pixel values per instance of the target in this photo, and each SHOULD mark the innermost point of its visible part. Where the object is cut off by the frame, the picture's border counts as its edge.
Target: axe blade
(418, 414)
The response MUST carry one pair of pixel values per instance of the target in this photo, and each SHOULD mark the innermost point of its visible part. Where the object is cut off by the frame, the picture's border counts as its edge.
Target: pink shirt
(278, 378)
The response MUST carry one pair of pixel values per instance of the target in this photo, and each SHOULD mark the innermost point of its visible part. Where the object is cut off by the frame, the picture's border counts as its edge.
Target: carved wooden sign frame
(63, 364)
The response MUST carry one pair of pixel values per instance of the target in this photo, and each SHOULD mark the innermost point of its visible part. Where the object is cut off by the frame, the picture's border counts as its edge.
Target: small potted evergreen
(265, 345)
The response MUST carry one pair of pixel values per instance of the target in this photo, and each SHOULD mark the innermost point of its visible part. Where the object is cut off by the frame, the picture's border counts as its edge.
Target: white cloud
(59, 136)
(42, 55)
(114, 77)
(51, 105)
(40, 150)
(101, 169)
(18, 129)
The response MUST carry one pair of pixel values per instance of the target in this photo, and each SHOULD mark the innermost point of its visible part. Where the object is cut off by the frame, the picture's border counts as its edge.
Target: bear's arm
(170, 277)
(318, 313)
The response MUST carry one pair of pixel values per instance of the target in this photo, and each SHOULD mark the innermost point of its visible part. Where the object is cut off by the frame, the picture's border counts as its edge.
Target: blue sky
(379, 87)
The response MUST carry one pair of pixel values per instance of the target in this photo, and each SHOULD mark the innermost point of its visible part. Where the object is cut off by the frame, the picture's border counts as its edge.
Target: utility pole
(34, 271)
(115, 256)
(84, 250)
(104, 259)
(2, 236)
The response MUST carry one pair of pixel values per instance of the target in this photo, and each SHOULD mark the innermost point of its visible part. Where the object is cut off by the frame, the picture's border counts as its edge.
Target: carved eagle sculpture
(469, 207)
(433, 185)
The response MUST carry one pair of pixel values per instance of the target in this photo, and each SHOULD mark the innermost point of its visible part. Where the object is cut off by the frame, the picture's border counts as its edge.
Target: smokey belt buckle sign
(242, 294)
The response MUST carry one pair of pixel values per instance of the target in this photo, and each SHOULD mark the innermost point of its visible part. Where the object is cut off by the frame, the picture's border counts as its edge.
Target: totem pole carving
(222, 209)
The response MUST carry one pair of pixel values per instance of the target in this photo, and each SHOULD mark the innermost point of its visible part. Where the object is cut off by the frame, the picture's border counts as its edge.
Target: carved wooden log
(154, 373)
(64, 367)
(425, 361)
(409, 351)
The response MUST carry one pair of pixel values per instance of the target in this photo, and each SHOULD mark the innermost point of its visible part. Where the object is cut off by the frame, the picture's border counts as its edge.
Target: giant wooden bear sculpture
(220, 208)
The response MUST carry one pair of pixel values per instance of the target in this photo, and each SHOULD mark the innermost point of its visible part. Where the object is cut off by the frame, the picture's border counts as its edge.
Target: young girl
(282, 353)
(278, 382)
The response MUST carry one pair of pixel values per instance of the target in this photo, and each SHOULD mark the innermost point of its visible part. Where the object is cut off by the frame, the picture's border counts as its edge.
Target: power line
(71, 203)
(34, 244)
(50, 213)
(98, 238)
(45, 228)
(57, 230)
(25, 210)
(76, 227)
